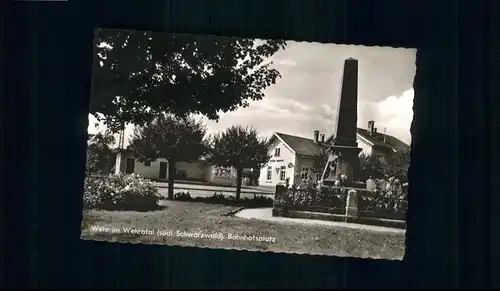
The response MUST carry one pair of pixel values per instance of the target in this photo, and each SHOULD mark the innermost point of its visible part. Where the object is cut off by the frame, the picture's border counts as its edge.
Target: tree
(320, 161)
(170, 137)
(399, 166)
(241, 148)
(370, 166)
(137, 75)
(99, 154)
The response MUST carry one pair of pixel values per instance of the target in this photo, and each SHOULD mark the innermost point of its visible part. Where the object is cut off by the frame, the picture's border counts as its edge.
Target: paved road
(212, 188)
(200, 192)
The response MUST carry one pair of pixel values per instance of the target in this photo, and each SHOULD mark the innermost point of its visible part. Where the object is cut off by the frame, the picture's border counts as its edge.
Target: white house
(293, 157)
(198, 170)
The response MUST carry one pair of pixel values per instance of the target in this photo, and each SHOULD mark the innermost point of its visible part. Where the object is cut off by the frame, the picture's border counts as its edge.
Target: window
(269, 173)
(305, 173)
(147, 164)
(318, 176)
(277, 152)
(282, 173)
(380, 158)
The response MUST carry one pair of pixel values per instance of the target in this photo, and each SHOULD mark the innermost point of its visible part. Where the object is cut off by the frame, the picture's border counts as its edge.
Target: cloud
(396, 114)
(305, 98)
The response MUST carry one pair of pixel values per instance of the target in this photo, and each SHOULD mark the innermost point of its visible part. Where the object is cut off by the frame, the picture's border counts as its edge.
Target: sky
(306, 97)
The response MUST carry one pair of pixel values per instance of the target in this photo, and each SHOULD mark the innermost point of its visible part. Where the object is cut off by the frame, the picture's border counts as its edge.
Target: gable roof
(302, 145)
(377, 139)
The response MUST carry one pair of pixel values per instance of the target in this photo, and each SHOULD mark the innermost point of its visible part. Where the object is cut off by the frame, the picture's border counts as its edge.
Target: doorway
(163, 170)
(130, 166)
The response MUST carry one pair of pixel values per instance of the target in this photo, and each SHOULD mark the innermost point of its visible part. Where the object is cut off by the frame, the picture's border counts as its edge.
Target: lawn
(195, 217)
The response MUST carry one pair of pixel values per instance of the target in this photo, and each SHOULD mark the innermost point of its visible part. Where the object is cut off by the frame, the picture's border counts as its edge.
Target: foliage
(153, 73)
(399, 166)
(320, 161)
(120, 192)
(239, 147)
(170, 137)
(256, 202)
(334, 197)
(100, 158)
(370, 166)
(382, 200)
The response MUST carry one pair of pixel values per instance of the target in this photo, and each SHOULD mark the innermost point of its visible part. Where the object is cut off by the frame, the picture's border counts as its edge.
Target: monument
(343, 160)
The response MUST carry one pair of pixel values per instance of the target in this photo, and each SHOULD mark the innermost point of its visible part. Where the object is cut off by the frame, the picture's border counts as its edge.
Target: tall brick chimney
(322, 137)
(316, 136)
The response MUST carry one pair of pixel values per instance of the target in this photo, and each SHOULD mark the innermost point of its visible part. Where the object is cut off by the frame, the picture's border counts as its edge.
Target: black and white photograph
(248, 144)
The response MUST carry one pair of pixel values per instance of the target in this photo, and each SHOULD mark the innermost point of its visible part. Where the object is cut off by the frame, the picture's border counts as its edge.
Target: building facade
(293, 158)
(199, 170)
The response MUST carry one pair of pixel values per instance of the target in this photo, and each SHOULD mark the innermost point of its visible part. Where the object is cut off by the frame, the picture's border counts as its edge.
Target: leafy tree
(100, 158)
(139, 75)
(170, 137)
(398, 168)
(320, 161)
(370, 166)
(241, 148)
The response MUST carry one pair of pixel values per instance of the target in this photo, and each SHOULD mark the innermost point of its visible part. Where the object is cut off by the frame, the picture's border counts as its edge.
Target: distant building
(198, 170)
(380, 145)
(293, 157)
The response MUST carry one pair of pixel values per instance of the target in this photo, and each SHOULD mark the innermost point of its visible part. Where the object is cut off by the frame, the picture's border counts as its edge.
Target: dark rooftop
(302, 145)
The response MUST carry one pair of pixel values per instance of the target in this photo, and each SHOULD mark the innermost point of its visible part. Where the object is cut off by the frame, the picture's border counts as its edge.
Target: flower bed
(120, 192)
(381, 204)
(384, 201)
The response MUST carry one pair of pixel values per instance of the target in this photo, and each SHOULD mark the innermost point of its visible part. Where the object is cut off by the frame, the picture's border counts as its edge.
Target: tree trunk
(171, 178)
(239, 177)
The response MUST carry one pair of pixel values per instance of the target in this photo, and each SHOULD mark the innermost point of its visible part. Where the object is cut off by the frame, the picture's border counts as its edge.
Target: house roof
(377, 139)
(302, 145)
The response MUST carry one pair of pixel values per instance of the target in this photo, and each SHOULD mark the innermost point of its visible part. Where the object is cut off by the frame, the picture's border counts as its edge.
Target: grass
(201, 217)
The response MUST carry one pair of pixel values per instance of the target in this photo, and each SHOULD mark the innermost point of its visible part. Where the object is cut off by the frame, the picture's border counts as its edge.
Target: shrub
(310, 195)
(383, 201)
(258, 201)
(120, 192)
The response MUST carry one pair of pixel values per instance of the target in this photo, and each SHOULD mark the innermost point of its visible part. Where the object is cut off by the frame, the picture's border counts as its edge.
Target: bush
(120, 192)
(309, 195)
(257, 201)
(383, 201)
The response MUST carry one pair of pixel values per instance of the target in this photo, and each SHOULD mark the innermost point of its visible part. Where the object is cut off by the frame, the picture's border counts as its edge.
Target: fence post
(351, 211)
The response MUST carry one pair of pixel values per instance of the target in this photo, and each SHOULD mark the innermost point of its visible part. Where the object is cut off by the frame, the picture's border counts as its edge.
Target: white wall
(286, 157)
(212, 178)
(365, 148)
(152, 171)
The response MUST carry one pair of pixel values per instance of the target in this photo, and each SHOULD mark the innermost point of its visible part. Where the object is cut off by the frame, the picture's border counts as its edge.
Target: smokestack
(375, 130)
(385, 134)
(322, 137)
(316, 136)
